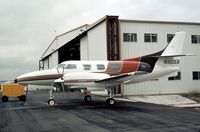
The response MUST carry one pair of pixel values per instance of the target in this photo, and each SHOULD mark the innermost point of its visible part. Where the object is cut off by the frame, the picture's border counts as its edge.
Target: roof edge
(62, 35)
(163, 22)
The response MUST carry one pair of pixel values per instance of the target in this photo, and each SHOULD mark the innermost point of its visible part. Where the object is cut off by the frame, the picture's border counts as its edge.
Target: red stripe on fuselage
(129, 66)
(40, 77)
(123, 67)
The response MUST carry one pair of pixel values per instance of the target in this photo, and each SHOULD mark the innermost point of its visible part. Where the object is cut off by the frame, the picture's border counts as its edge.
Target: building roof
(80, 31)
(70, 35)
(85, 28)
(159, 22)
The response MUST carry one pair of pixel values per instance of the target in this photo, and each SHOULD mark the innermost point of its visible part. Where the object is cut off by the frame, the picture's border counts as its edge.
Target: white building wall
(53, 60)
(97, 48)
(84, 48)
(187, 65)
(46, 63)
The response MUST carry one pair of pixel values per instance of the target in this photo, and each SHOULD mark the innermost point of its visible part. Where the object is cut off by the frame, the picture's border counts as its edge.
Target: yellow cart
(13, 90)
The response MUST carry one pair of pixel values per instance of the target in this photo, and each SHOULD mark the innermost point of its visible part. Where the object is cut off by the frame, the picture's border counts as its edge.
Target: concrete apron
(170, 100)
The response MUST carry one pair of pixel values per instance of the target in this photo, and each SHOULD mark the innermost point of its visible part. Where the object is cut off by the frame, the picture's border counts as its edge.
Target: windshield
(60, 66)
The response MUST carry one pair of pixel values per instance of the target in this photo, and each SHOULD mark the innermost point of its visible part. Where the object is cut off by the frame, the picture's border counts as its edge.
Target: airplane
(101, 75)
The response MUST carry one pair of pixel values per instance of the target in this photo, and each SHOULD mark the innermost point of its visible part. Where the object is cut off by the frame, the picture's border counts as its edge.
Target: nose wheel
(51, 102)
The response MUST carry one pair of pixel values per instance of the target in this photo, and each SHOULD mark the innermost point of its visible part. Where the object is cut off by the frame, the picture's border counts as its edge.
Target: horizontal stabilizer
(174, 55)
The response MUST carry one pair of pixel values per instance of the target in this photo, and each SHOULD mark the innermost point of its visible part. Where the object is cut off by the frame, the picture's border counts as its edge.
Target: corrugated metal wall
(187, 65)
(93, 46)
(51, 61)
(84, 48)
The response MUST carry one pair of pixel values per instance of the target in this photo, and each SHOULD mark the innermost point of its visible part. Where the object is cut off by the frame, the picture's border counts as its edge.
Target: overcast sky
(27, 27)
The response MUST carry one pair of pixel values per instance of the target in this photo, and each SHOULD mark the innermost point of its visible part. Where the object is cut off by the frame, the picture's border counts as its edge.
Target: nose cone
(38, 76)
(25, 77)
(15, 81)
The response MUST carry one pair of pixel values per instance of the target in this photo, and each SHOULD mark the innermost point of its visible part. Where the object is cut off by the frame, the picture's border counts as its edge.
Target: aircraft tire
(110, 101)
(51, 102)
(4, 99)
(88, 98)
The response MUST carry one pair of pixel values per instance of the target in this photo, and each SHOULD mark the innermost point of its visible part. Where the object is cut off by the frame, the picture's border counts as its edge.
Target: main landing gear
(110, 100)
(87, 98)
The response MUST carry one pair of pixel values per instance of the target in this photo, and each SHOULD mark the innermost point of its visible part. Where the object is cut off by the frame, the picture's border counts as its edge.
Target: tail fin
(165, 56)
(175, 47)
(170, 56)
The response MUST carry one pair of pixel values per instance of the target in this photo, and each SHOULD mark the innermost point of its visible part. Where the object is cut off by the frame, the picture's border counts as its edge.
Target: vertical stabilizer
(175, 47)
(170, 58)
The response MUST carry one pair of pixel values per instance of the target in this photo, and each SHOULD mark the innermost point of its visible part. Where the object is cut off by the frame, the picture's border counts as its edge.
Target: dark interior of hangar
(70, 51)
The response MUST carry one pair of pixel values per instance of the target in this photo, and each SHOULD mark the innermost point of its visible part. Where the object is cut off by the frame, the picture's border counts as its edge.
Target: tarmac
(71, 113)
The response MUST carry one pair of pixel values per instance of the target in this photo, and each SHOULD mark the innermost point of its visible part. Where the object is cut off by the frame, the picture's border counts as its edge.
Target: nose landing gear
(51, 101)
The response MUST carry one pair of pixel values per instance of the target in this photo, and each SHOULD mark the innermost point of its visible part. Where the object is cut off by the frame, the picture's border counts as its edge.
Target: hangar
(111, 38)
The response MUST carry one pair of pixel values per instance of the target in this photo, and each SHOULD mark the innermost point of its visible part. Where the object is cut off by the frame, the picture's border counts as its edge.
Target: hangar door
(69, 51)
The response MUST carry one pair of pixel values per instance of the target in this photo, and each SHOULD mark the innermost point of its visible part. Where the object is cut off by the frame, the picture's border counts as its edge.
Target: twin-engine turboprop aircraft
(101, 75)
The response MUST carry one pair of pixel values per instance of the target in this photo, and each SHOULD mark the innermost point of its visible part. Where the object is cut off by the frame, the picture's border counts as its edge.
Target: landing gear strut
(51, 101)
(110, 100)
(87, 97)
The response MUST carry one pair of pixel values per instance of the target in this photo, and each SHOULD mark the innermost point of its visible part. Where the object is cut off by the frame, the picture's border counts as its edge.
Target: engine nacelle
(84, 77)
(96, 88)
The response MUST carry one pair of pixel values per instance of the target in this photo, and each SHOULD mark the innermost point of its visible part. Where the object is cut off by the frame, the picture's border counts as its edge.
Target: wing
(121, 79)
(118, 78)
(96, 79)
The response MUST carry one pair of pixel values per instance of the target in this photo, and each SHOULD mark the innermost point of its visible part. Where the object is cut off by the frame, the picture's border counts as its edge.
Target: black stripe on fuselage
(147, 62)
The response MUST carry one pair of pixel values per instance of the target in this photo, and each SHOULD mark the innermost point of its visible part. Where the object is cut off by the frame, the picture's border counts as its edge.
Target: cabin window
(71, 66)
(178, 77)
(100, 67)
(150, 37)
(170, 37)
(195, 39)
(87, 67)
(115, 67)
(130, 37)
(196, 75)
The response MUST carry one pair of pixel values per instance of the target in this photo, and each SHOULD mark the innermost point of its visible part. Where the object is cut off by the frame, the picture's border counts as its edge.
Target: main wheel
(4, 99)
(110, 101)
(88, 98)
(51, 102)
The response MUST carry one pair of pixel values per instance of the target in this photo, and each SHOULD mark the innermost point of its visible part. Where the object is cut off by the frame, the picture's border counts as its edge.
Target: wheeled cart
(13, 90)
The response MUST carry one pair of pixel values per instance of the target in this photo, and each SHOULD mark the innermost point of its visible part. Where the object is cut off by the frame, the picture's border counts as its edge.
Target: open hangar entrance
(69, 51)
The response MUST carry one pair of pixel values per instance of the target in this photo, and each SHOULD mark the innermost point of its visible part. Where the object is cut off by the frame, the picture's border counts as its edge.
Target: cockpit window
(100, 67)
(71, 66)
(60, 66)
(87, 67)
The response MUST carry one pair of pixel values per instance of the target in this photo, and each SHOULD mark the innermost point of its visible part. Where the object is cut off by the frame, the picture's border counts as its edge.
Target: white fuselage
(78, 74)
